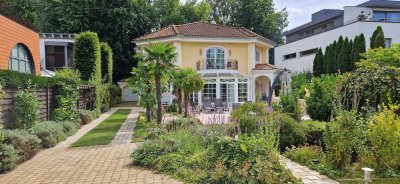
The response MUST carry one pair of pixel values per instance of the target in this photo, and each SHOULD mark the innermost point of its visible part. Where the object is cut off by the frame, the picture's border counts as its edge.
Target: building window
(388, 42)
(242, 92)
(258, 56)
(58, 57)
(210, 92)
(308, 52)
(21, 60)
(289, 56)
(194, 98)
(215, 58)
(383, 16)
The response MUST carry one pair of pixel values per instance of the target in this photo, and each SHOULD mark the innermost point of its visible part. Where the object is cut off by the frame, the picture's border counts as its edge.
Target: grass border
(105, 132)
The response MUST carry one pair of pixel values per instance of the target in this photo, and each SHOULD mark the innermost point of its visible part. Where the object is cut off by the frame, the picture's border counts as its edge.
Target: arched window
(215, 58)
(21, 60)
(258, 56)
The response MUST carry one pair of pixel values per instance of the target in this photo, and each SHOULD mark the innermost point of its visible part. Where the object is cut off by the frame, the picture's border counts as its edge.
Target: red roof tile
(204, 29)
(265, 67)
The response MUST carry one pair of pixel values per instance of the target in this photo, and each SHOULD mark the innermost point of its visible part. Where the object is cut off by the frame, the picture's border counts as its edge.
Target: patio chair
(207, 105)
(235, 106)
(218, 105)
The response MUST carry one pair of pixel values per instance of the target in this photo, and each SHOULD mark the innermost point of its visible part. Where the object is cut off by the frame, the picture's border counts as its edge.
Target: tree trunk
(179, 91)
(148, 113)
(186, 104)
(158, 97)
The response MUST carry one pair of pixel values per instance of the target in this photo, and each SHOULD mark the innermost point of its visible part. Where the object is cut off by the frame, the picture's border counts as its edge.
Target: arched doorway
(262, 88)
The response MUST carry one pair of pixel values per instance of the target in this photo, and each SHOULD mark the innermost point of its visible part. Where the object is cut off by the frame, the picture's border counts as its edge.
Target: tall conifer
(318, 63)
(372, 39)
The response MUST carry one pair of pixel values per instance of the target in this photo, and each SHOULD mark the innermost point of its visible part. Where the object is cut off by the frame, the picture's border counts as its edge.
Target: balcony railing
(230, 64)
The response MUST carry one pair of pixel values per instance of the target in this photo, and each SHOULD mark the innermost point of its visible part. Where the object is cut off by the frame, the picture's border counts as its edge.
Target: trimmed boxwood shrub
(20, 80)
(50, 133)
(8, 157)
(106, 63)
(87, 56)
(26, 145)
(70, 128)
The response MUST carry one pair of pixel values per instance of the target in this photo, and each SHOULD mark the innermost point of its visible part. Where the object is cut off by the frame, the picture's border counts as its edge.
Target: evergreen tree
(326, 59)
(338, 49)
(379, 40)
(372, 39)
(331, 61)
(359, 47)
(318, 63)
(344, 56)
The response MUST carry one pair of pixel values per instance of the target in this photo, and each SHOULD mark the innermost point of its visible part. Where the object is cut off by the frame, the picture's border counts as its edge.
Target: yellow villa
(233, 61)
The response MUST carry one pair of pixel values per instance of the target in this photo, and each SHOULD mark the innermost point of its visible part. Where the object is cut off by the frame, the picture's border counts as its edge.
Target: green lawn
(105, 132)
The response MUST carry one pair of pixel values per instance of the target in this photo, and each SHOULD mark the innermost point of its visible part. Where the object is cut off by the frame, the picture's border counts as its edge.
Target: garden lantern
(367, 174)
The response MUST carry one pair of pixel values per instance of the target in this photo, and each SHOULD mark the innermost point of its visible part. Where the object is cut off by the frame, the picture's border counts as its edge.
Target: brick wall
(12, 33)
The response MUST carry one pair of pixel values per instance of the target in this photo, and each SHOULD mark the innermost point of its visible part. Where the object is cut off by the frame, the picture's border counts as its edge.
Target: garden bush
(88, 116)
(26, 144)
(305, 154)
(383, 137)
(314, 132)
(70, 128)
(291, 132)
(50, 133)
(25, 111)
(1, 99)
(319, 104)
(257, 109)
(290, 105)
(344, 139)
(248, 159)
(68, 81)
(8, 157)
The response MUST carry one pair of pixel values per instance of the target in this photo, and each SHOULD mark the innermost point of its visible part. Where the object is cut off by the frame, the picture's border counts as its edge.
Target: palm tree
(143, 85)
(192, 82)
(162, 57)
(176, 79)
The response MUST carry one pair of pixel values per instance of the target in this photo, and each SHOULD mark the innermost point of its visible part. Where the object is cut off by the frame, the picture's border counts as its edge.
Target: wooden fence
(46, 99)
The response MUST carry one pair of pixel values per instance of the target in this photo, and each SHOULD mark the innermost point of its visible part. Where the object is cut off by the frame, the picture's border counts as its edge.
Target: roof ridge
(153, 32)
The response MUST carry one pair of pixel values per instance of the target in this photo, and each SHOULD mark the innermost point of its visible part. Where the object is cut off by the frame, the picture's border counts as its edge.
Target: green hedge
(106, 63)
(87, 56)
(19, 80)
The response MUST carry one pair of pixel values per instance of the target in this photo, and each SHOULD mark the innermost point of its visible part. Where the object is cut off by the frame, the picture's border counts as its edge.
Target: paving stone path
(94, 164)
(306, 175)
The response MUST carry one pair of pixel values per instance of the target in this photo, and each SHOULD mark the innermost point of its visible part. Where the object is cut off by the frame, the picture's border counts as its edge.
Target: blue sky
(300, 10)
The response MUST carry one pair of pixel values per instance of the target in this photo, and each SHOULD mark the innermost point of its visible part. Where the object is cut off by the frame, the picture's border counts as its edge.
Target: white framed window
(215, 58)
(21, 60)
(210, 92)
(242, 91)
(258, 56)
(194, 97)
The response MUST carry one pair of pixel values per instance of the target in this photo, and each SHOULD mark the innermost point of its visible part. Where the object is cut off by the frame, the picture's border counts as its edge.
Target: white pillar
(200, 98)
(171, 89)
(251, 56)
(236, 91)
(254, 89)
(42, 54)
(249, 89)
(218, 88)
